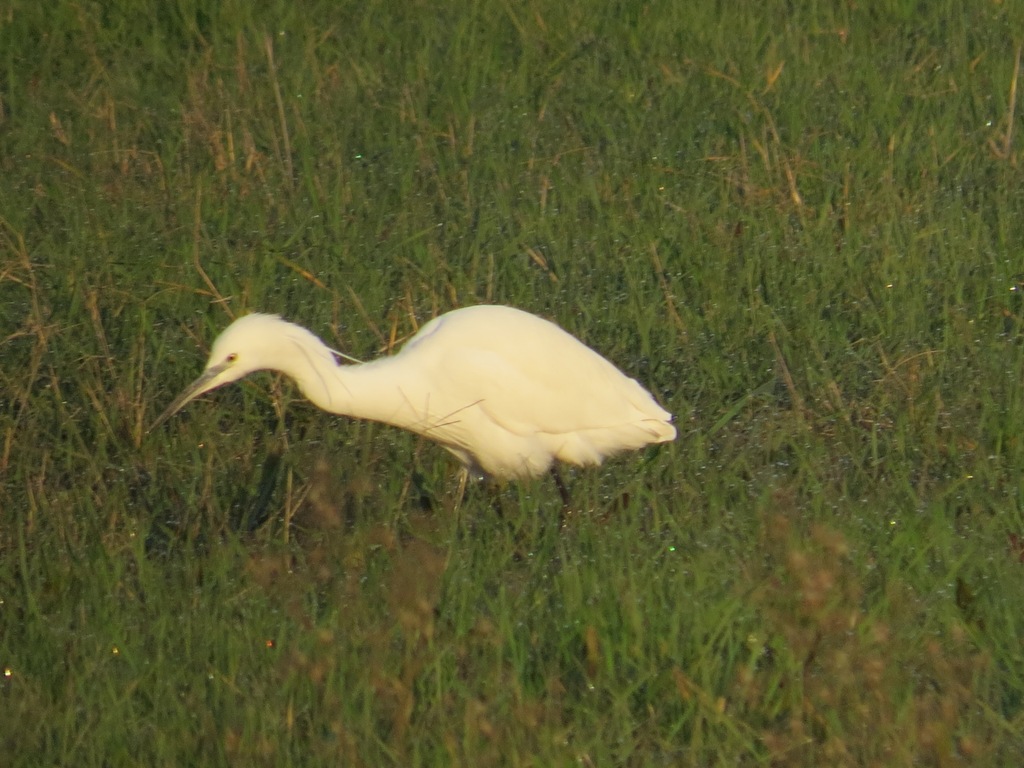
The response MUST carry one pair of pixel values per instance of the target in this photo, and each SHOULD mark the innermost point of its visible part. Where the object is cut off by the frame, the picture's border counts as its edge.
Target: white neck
(374, 390)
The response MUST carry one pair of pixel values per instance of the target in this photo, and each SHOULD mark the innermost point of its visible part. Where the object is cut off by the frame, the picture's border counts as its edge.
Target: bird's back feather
(547, 395)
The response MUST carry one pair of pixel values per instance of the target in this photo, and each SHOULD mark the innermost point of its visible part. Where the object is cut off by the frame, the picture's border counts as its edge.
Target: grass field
(798, 224)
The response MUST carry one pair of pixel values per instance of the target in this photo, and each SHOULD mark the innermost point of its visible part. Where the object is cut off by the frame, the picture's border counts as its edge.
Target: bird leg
(563, 491)
(461, 492)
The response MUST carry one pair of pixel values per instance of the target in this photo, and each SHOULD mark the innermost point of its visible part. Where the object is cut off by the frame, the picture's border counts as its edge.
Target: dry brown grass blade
(538, 258)
(787, 168)
(268, 45)
(666, 289)
(34, 325)
(780, 360)
(302, 272)
(92, 306)
(1005, 151)
(374, 328)
(219, 298)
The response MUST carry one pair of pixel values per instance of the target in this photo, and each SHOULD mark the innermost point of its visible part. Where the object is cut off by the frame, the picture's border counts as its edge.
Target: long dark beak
(198, 387)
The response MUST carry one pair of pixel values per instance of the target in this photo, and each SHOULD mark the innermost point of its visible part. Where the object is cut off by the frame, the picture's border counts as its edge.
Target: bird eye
(232, 357)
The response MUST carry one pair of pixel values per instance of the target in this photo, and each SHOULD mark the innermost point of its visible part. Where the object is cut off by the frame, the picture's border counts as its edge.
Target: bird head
(251, 343)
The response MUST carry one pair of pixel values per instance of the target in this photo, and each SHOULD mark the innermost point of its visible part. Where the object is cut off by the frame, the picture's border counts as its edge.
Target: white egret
(505, 391)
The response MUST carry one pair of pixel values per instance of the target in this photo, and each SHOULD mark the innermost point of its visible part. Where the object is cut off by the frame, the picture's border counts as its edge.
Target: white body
(505, 391)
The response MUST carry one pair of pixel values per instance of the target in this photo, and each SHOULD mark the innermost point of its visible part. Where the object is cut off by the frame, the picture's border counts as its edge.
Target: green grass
(799, 226)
